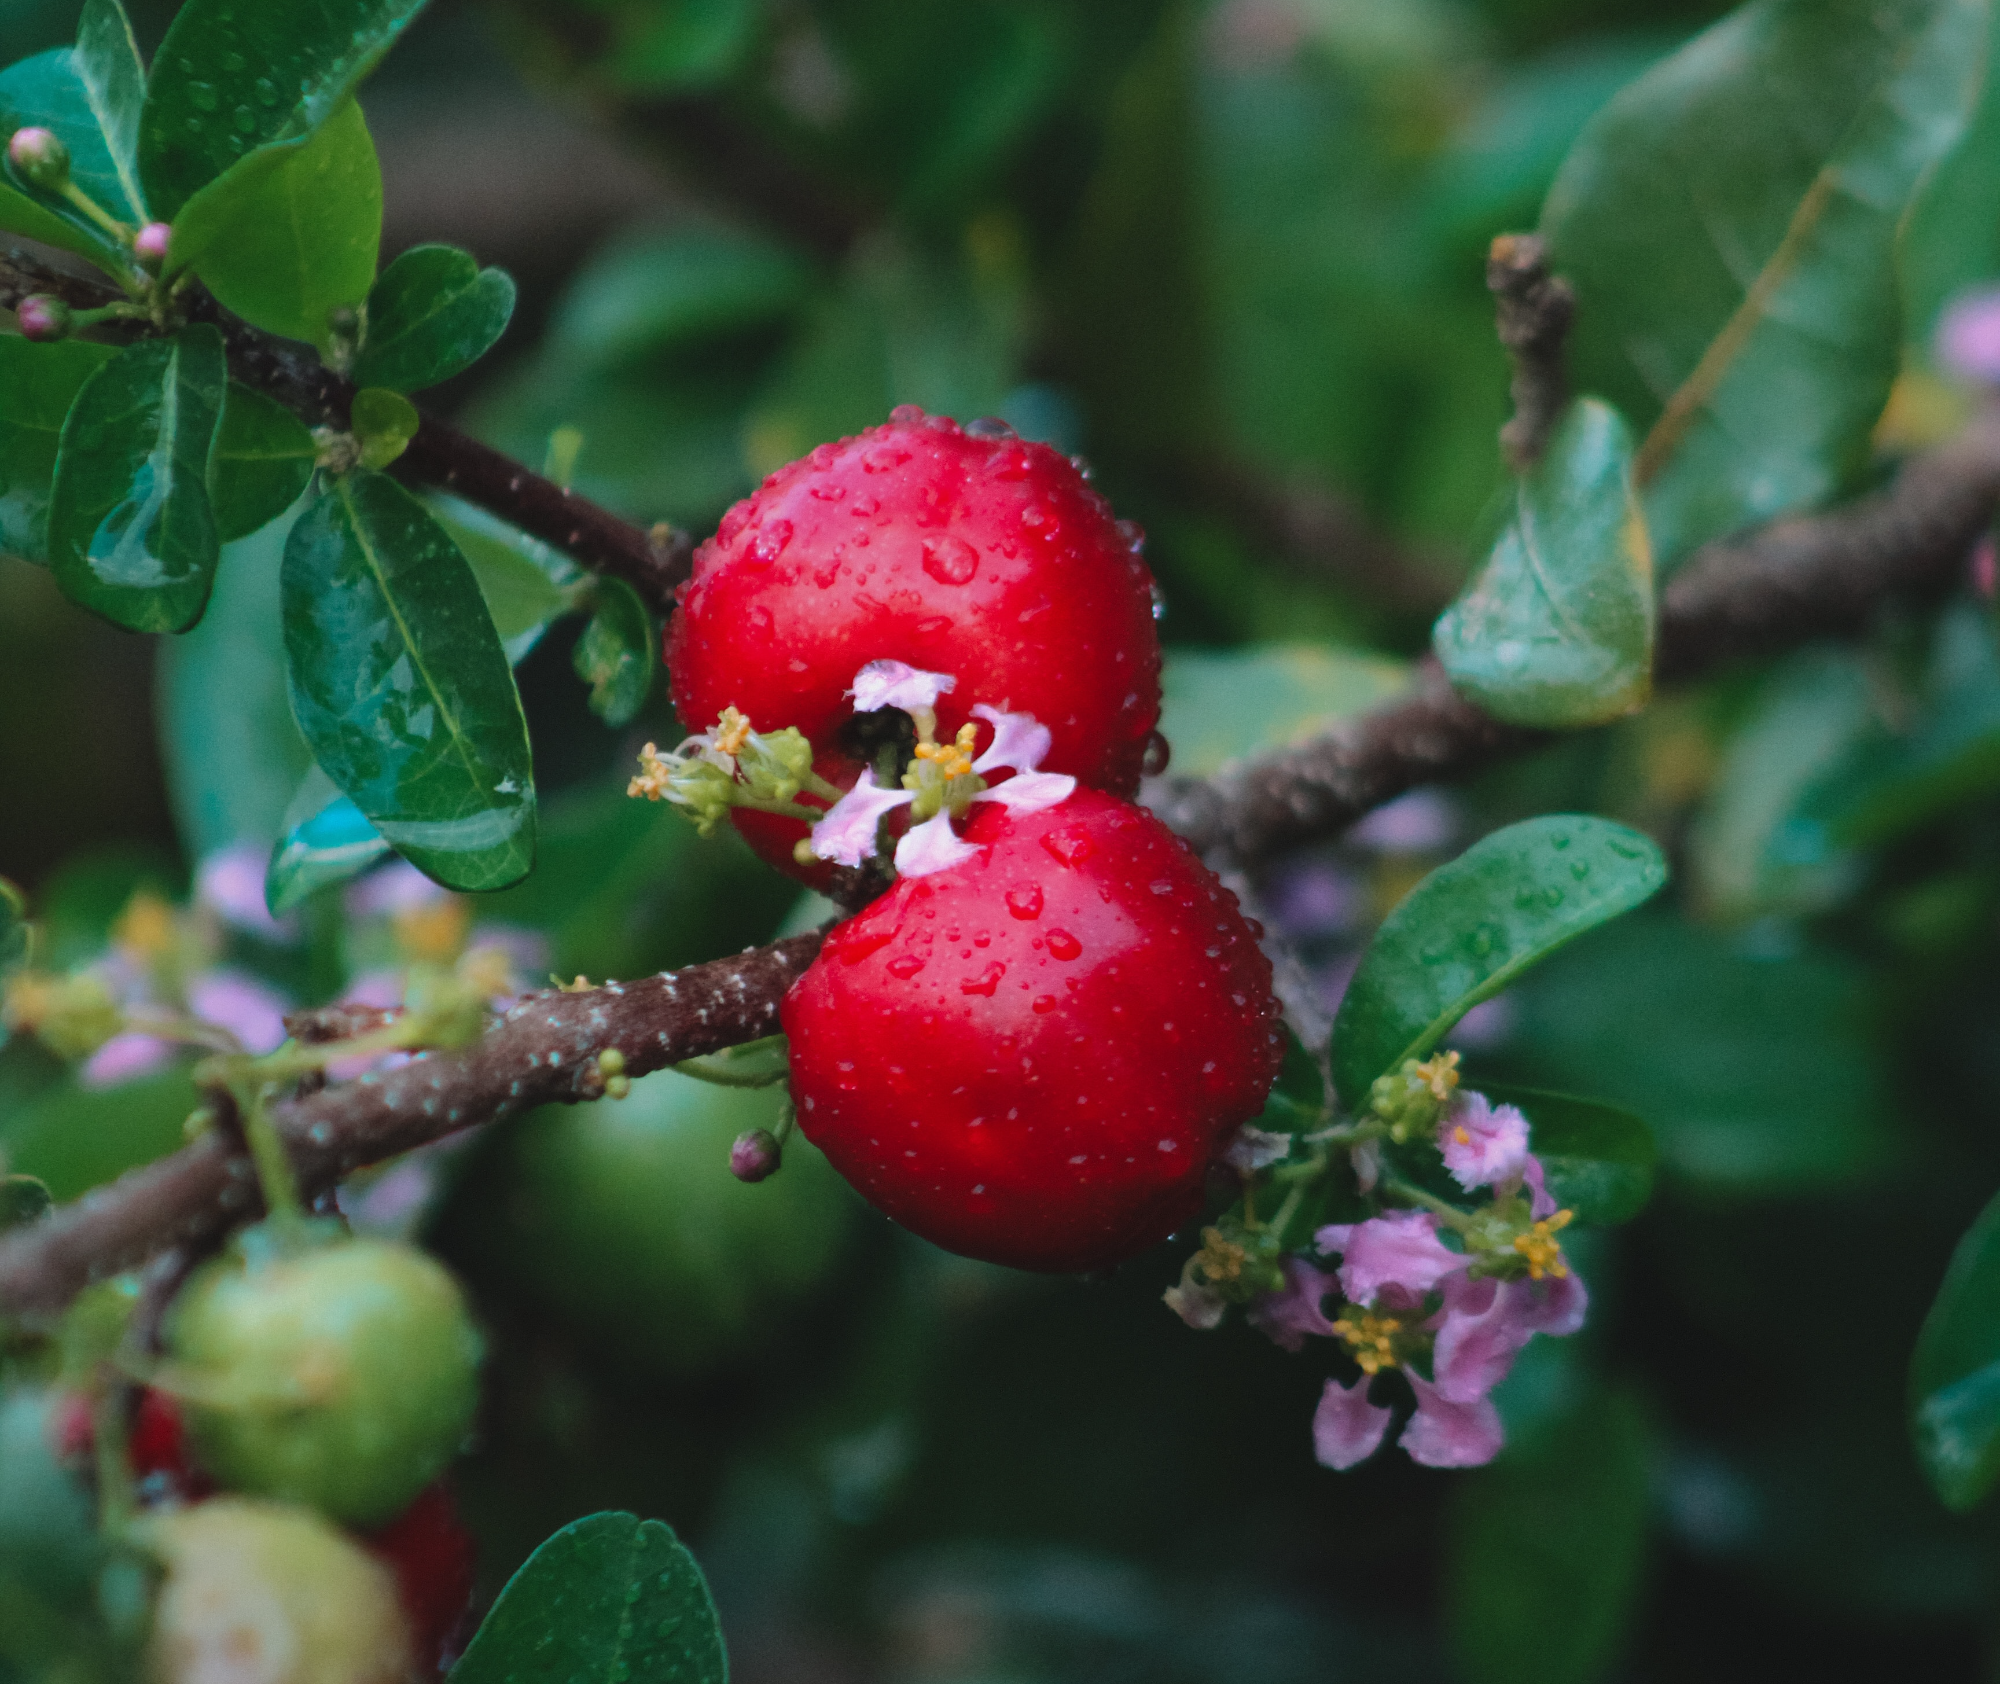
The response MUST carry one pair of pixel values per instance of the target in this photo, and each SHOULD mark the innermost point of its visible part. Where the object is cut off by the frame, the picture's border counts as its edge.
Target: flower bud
(42, 318)
(41, 159)
(755, 1155)
(149, 246)
(73, 1015)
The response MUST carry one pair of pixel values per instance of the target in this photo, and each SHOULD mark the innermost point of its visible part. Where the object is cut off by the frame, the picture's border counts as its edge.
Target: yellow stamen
(954, 759)
(1540, 1248)
(732, 730)
(145, 929)
(1370, 1337)
(1462, 1135)
(1222, 1260)
(1439, 1074)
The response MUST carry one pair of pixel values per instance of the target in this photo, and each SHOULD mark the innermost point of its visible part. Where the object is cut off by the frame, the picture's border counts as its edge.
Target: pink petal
(1443, 1434)
(254, 1014)
(1030, 792)
(395, 887)
(1482, 1143)
(1556, 1304)
(1400, 1249)
(1486, 1323)
(231, 881)
(894, 684)
(1540, 1203)
(847, 833)
(1968, 336)
(124, 1058)
(1019, 743)
(931, 847)
(1347, 1428)
(1297, 1308)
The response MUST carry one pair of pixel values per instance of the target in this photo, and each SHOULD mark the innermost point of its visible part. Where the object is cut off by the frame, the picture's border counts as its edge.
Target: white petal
(1030, 792)
(847, 833)
(933, 846)
(892, 684)
(1018, 741)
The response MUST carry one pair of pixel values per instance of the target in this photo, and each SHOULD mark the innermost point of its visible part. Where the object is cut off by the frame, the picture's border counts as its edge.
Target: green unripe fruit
(624, 1217)
(262, 1593)
(344, 1377)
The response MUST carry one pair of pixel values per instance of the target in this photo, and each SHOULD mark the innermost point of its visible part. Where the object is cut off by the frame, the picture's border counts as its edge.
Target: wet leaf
(38, 383)
(433, 313)
(262, 460)
(384, 422)
(1955, 1374)
(323, 839)
(615, 653)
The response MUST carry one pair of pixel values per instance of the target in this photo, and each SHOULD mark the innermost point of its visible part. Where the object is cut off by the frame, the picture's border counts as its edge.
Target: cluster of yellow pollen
(1538, 1245)
(145, 929)
(653, 775)
(954, 759)
(1372, 1338)
(1221, 1259)
(732, 730)
(1440, 1075)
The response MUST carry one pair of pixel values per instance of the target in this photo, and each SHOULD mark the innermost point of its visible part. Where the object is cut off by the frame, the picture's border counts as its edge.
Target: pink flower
(896, 684)
(1297, 1308)
(254, 1014)
(1347, 1428)
(847, 834)
(231, 881)
(1483, 1143)
(1485, 1324)
(1399, 1250)
(125, 1058)
(1968, 336)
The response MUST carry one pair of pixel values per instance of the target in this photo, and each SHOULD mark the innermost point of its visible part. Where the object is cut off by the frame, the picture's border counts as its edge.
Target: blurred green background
(1233, 254)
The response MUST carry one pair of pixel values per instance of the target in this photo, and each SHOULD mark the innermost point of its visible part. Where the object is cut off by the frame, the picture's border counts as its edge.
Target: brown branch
(1533, 311)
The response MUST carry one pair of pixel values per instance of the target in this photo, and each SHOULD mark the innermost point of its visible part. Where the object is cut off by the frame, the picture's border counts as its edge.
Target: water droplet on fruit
(1026, 901)
(1159, 755)
(950, 561)
(906, 965)
(1159, 602)
(770, 542)
(1035, 518)
(1045, 1003)
(1134, 535)
(862, 507)
(1063, 945)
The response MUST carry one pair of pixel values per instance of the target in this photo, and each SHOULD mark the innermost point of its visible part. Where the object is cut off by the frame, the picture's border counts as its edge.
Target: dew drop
(950, 561)
(906, 965)
(202, 97)
(770, 542)
(1025, 901)
(1063, 945)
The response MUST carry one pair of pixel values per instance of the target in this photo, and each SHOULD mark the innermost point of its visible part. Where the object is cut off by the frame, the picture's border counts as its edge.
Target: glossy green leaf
(75, 1138)
(524, 581)
(615, 655)
(232, 79)
(1599, 1158)
(1219, 706)
(1955, 1374)
(384, 422)
(694, 44)
(433, 314)
(1476, 924)
(263, 458)
(89, 95)
(23, 1198)
(323, 839)
(38, 383)
(610, 1599)
(1730, 224)
(401, 687)
(131, 531)
(1557, 628)
(291, 234)
(1545, 1549)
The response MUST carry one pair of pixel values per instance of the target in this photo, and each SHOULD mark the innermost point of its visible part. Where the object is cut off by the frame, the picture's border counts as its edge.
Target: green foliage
(1474, 926)
(525, 582)
(384, 422)
(433, 313)
(617, 653)
(610, 1599)
(39, 383)
(74, 1138)
(23, 1198)
(1598, 1158)
(401, 687)
(262, 459)
(132, 534)
(1730, 222)
(323, 839)
(1220, 706)
(1955, 1373)
(1557, 629)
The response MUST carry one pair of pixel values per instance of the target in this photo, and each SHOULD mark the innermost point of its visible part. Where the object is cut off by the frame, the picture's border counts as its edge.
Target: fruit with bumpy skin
(429, 1550)
(1032, 1057)
(976, 554)
(265, 1593)
(343, 1376)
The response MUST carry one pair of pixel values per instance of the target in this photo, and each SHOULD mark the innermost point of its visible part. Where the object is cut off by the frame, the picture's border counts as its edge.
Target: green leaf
(1474, 925)
(89, 95)
(1955, 1374)
(23, 1198)
(433, 313)
(1730, 224)
(384, 422)
(610, 1599)
(291, 234)
(522, 579)
(1557, 628)
(232, 79)
(1599, 1158)
(75, 1138)
(1545, 1549)
(401, 687)
(38, 383)
(131, 532)
(323, 839)
(263, 458)
(693, 44)
(1220, 707)
(615, 654)
(13, 926)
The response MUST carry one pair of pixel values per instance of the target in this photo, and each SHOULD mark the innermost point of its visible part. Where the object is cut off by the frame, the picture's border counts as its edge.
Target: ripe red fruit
(970, 553)
(1033, 1057)
(431, 1554)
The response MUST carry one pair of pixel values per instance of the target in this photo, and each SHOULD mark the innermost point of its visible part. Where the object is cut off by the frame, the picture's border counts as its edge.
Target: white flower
(847, 833)
(892, 684)
(932, 846)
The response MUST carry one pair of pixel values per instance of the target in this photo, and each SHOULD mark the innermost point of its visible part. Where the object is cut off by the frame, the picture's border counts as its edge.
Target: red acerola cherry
(1033, 1056)
(431, 1554)
(970, 553)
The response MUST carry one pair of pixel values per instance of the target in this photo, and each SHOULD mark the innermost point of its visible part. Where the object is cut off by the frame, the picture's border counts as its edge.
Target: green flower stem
(96, 212)
(783, 809)
(267, 1152)
(1449, 1214)
(117, 1496)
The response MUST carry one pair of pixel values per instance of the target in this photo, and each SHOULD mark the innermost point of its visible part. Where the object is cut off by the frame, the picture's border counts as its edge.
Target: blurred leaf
(1599, 1159)
(48, 1533)
(263, 457)
(1222, 706)
(74, 1138)
(433, 313)
(89, 96)
(1475, 925)
(610, 1599)
(1730, 224)
(685, 44)
(401, 687)
(1951, 239)
(23, 1198)
(522, 579)
(232, 80)
(615, 654)
(291, 233)
(1955, 1373)
(131, 532)
(38, 383)
(14, 938)
(1557, 628)
(384, 422)
(1545, 1550)
(233, 756)
(323, 839)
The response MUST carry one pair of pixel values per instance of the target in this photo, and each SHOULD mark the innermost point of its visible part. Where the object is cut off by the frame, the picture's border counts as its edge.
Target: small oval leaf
(384, 422)
(323, 839)
(38, 383)
(1955, 1374)
(615, 653)
(433, 314)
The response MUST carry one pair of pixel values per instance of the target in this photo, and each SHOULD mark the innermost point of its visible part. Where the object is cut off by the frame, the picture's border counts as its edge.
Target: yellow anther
(732, 730)
(145, 929)
(1370, 1337)
(1439, 1074)
(435, 932)
(653, 774)
(1221, 1259)
(1539, 1246)
(1462, 1135)
(954, 759)
(580, 986)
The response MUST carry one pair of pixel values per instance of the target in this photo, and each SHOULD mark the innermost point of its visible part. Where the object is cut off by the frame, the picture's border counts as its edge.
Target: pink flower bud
(41, 158)
(754, 1155)
(149, 246)
(42, 317)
